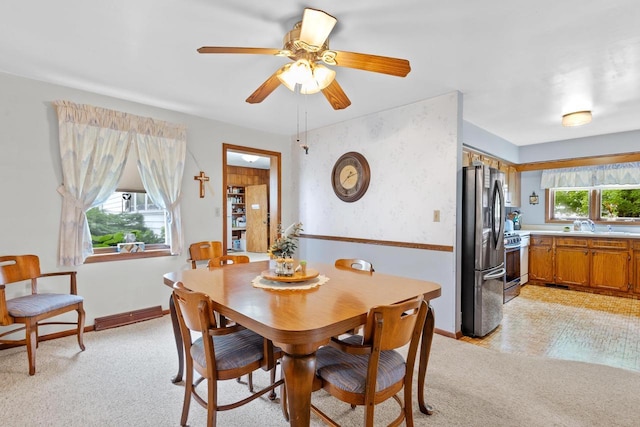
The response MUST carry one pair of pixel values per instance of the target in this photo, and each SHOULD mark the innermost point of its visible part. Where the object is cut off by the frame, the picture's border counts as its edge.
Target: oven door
(512, 277)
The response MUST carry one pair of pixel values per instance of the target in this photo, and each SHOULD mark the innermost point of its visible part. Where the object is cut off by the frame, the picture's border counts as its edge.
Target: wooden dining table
(300, 321)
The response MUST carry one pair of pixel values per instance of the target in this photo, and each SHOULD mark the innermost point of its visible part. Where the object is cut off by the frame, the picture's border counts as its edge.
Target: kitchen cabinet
(602, 264)
(512, 187)
(610, 264)
(572, 261)
(541, 259)
(635, 262)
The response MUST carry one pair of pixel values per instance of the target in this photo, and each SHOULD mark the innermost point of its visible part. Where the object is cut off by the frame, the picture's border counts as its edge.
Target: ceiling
(519, 65)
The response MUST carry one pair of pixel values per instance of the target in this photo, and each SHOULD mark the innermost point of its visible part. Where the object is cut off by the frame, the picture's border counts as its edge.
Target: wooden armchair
(223, 260)
(355, 264)
(31, 309)
(367, 370)
(204, 251)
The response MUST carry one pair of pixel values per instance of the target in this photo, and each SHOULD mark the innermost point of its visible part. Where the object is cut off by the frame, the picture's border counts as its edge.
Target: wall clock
(350, 176)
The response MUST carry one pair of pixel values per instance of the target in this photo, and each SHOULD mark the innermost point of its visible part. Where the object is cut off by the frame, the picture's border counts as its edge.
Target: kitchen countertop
(621, 234)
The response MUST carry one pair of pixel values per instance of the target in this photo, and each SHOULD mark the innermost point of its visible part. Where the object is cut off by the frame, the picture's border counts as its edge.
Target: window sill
(115, 256)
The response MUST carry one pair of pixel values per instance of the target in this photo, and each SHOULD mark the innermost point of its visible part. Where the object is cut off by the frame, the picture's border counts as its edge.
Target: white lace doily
(259, 282)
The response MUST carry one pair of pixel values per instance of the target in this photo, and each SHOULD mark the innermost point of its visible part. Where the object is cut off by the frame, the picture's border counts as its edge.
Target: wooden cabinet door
(636, 271)
(256, 209)
(610, 269)
(541, 263)
(572, 266)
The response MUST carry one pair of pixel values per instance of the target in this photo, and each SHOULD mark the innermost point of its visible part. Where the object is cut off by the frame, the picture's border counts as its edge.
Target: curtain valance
(592, 176)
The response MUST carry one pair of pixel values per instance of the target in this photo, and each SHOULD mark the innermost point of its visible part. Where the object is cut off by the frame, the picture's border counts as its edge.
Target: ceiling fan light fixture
(322, 77)
(316, 26)
(577, 118)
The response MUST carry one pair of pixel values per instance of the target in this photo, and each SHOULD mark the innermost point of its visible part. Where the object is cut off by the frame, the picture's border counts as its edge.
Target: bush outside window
(125, 215)
(612, 204)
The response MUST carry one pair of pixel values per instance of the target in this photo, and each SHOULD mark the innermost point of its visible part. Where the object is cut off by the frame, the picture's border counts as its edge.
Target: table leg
(425, 349)
(178, 337)
(299, 372)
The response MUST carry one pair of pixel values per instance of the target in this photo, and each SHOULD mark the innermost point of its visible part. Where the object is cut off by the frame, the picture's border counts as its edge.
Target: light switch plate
(436, 215)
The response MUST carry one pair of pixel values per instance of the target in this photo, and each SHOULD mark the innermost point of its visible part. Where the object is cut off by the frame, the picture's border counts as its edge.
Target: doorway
(255, 173)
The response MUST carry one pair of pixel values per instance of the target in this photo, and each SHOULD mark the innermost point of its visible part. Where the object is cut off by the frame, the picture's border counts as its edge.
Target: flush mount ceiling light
(249, 158)
(578, 118)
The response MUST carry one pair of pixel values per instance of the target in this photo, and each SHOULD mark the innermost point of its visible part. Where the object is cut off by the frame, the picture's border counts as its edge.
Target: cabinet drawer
(636, 244)
(610, 243)
(572, 241)
(541, 240)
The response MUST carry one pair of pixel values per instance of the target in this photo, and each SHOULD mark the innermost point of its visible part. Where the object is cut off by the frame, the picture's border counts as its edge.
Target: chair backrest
(203, 251)
(393, 326)
(16, 268)
(223, 260)
(194, 308)
(355, 264)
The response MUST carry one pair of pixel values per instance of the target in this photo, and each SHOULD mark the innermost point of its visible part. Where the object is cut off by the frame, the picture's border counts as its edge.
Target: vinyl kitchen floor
(572, 325)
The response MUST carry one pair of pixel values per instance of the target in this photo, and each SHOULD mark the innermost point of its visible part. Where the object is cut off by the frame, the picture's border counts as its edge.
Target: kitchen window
(616, 203)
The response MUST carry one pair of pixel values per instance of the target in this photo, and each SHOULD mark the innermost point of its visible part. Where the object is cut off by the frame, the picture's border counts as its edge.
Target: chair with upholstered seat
(204, 251)
(219, 353)
(367, 370)
(223, 260)
(32, 309)
(355, 264)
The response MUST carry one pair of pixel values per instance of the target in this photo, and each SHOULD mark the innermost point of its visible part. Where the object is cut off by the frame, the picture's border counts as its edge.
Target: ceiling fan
(307, 45)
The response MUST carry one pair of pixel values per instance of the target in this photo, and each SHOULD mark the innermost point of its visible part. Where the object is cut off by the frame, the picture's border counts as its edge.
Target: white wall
(413, 153)
(30, 173)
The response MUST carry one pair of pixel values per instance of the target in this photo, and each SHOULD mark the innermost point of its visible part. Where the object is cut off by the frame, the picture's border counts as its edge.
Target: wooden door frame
(274, 186)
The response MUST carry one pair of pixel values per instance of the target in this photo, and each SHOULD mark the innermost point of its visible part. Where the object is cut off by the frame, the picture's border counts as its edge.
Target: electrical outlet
(436, 216)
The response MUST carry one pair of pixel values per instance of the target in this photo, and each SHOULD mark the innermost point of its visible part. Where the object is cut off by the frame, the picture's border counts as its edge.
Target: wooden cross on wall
(202, 178)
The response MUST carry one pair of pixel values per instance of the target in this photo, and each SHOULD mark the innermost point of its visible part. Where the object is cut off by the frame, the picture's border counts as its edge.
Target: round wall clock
(350, 176)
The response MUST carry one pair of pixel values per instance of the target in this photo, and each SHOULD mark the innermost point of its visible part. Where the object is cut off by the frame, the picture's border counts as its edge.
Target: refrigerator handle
(495, 275)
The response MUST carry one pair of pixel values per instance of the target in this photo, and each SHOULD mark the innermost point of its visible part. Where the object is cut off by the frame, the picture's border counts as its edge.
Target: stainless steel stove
(512, 265)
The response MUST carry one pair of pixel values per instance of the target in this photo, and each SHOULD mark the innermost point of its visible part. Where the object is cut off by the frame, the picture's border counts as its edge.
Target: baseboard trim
(446, 333)
(121, 319)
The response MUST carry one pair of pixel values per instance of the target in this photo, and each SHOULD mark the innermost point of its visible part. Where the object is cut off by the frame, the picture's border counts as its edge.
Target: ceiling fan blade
(265, 89)
(379, 64)
(336, 96)
(249, 50)
(316, 26)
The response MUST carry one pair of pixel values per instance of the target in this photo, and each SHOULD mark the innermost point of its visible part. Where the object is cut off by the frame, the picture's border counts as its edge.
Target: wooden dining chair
(368, 370)
(217, 354)
(223, 260)
(204, 251)
(355, 264)
(30, 310)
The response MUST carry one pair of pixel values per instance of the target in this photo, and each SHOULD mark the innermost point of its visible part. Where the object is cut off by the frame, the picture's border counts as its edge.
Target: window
(612, 204)
(127, 216)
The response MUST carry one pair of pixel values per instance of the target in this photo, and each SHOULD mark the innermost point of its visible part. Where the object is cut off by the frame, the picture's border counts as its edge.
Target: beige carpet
(122, 379)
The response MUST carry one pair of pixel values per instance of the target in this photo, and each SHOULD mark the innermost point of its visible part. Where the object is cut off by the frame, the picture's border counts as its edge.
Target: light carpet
(123, 379)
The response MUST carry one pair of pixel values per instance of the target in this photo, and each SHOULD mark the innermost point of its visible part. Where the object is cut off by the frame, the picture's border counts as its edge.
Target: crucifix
(202, 178)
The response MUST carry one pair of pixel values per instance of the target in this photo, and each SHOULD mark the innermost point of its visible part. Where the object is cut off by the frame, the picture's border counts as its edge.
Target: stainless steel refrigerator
(483, 269)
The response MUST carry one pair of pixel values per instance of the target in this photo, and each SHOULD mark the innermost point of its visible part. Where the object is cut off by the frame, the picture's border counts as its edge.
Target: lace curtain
(94, 144)
(592, 176)
(161, 149)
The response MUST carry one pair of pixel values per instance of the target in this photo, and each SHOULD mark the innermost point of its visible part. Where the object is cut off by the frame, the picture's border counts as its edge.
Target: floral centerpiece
(286, 242)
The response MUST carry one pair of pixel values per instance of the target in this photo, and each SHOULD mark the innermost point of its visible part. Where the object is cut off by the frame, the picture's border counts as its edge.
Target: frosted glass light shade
(576, 119)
